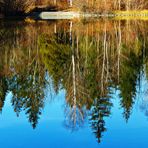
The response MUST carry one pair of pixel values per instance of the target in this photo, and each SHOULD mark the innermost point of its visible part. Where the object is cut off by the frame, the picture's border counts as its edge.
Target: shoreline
(55, 15)
(84, 15)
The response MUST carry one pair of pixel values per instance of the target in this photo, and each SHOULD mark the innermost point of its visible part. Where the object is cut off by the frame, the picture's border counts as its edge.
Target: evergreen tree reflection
(3, 91)
(101, 109)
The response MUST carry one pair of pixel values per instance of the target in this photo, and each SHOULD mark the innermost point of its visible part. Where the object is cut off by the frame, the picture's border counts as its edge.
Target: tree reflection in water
(88, 60)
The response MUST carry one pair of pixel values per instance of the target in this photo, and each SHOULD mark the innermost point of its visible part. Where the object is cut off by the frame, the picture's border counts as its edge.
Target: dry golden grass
(132, 15)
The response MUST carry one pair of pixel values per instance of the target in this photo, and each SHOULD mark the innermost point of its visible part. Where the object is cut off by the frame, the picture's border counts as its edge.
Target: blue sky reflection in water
(51, 129)
(65, 88)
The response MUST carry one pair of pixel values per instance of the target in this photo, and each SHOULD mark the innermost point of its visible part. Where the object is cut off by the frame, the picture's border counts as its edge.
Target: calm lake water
(74, 84)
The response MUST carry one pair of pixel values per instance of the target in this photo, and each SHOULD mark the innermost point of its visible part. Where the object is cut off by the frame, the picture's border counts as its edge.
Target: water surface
(74, 84)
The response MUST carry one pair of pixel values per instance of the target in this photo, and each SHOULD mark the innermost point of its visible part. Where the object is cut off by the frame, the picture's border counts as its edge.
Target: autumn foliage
(8, 7)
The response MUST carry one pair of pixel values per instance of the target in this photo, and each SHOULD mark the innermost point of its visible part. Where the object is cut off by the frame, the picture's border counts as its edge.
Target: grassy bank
(131, 14)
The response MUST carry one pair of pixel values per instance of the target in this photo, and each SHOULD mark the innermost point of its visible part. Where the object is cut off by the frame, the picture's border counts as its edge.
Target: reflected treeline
(87, 59)
(22, 71)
